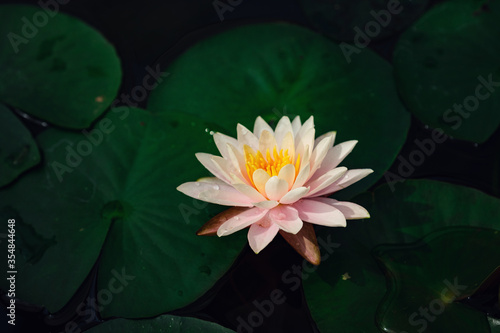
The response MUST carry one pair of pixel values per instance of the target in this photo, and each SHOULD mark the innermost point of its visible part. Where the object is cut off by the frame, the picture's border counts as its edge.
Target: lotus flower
(277, 182)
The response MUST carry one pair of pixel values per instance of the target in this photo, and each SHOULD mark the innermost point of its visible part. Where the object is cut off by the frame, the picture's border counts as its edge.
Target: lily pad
(18, 150)
(55, 67)
(415, 209)
(427, 278)
(347, 19)
(161, 324)
(112, 192)
(448, 70)
(279, 69)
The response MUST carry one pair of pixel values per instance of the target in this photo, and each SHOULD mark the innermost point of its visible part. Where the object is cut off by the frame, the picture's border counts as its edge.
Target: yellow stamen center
(272, 164)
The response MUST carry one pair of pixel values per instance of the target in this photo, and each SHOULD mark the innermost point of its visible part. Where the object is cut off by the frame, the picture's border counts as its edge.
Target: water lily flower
(277, 181)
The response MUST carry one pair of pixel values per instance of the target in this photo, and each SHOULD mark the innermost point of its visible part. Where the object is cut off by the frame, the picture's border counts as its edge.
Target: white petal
(325, 180)
(302, 176)
(287, 173)
(294, 195)
(276, 188)
(260, 178)
(268, 204)
(317, 212)
(250, 192)
(321, 137)
(287, 218)
(296, 125)
(221, 142)
(284, 126)
(241, 221)
(288, 143)
(351, 210)
(208, 162)
(335, 156)
(260, 125)
(215, 192)
(238, 160)
(308, 125)
(350, 177)
(266, 142)
(259, 237)
(320, 152)
(245, 137)
(304, 145)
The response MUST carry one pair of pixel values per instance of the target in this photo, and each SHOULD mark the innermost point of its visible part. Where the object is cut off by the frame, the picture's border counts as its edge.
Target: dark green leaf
(18, 150)
(55, 67)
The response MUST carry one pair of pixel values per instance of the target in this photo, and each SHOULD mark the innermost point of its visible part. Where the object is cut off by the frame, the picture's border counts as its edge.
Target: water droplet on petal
(196, 184)
(237, 218)
(216, 187)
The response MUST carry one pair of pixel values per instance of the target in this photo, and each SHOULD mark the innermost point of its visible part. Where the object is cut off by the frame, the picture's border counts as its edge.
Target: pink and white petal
(268, 204)
(241, 221)
(296, 125)
(307, 126)
(287, 173)
(350, 210)
(294, 195)
(288, 143)
(220, 193)
(302, 176)
(259, 237)
(208, 162)
(317, 212)
(221, 141)
(287, 218)
(266, 142)
(336, 155)
(260, 178)
(304, 145)
(321, 137)
(325, 180)
(246, 137)
(320, 151)
(226, 167)
(261, 125)
(349, 178)
(276, 188)
(238, 161)
(284, 126)
(250, 192)
(211, 180)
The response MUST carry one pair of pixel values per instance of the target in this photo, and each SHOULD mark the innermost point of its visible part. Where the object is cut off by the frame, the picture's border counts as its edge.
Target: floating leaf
(165, 323)
(448, 70)
(349, 302)
(361, 21)
(279, 69)
(112, 192)
(18, 150)
(427, 278)
(55, 67)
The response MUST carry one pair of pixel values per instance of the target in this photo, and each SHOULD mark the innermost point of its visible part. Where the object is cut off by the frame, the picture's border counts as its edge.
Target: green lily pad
(427, 278)
(18, 150)
(55, 67)
(161, 324)
(278, 69)
(448, 70)
(415, 209)
(112, 192)
(361, 21)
